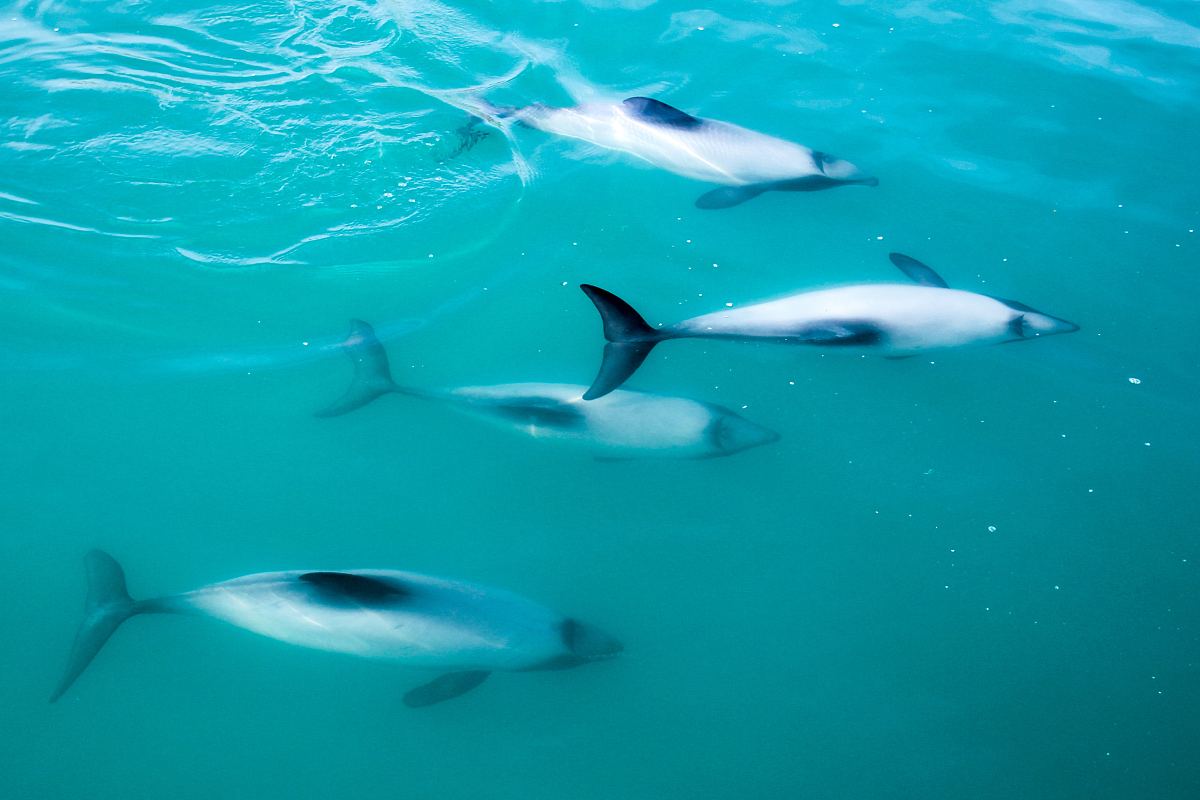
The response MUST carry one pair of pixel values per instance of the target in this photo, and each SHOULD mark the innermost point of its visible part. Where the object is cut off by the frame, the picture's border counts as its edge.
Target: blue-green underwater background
(967, 575)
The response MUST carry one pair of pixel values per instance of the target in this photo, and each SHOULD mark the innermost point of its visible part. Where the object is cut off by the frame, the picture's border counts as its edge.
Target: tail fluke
(630, 340)
(108, 605)
(372, 375)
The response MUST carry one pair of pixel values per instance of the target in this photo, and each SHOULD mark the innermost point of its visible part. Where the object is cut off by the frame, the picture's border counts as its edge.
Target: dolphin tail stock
(372, 373)
(630, 340)
(108, 605)
(482, 112)
(481, 118)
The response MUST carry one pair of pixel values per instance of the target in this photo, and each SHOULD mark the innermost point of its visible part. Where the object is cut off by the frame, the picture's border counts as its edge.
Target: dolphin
(624, 424)
(894, 320)
(744, 162)
(464, 630)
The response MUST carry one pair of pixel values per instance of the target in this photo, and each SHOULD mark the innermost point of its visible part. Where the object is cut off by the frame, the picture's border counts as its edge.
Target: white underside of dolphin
(745, 162)
(624, 425)
(463, 629)
(893, 320)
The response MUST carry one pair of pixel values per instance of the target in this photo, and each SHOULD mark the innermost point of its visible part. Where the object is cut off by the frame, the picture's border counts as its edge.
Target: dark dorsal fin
(545, 412)
(920, 273)
(347, 588)
(657, 111)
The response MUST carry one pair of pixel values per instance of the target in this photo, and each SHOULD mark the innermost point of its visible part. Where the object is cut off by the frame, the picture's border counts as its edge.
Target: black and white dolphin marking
(463, 630)
(624, 424)
(744, 162)
(886, 318)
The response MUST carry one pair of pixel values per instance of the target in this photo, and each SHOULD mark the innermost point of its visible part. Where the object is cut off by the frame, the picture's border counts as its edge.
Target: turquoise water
(971, 574)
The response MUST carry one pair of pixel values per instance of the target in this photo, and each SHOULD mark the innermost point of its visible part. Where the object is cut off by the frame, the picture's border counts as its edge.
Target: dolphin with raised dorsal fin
(743, 162)
(890, 319)
(625, 424)
(463, 630)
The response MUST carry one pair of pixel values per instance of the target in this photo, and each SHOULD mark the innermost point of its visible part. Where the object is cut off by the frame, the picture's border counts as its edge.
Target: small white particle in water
(564, 283)
(1135, 381)
(1063, 435)
(729, 305)
(1056, 587)
(379, 208)
(1146, 443)
(700, 28)
(744, 408)
(715, 265)
(879, 238)
(689, 241)
(793, 383)
(387, 194)
(1091, 490)
(354, 205)
(991, 528)
(430, 255)
(837, 24)
(411, 200)
(304, 343)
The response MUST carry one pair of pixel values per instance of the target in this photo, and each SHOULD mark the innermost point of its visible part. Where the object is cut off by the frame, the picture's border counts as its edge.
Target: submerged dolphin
(465, 630)
(891, 319)
(624, 424)
(746, 163)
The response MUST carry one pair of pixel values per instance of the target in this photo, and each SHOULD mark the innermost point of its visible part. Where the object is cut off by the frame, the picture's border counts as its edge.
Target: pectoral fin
(730, 196)
(444, 687)
(918, 272)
